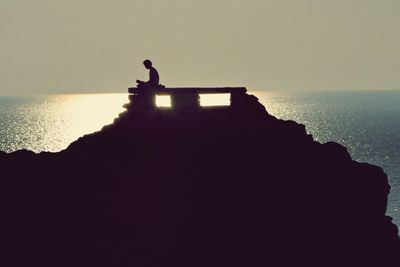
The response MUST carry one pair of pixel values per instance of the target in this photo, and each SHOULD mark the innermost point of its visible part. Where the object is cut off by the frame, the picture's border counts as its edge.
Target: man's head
(147, 63)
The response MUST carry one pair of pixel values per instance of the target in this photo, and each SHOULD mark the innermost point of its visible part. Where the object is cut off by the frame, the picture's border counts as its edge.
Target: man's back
(154, 77)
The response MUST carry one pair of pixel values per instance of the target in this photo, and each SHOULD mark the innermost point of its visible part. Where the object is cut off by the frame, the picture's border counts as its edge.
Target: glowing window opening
(210, 100)
(206, 100)
(163, 101)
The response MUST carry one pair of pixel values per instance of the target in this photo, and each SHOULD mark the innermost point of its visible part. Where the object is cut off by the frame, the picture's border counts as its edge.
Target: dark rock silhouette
(197, 187)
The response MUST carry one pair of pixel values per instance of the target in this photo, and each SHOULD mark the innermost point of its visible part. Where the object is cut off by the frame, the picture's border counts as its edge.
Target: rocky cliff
(202, 187)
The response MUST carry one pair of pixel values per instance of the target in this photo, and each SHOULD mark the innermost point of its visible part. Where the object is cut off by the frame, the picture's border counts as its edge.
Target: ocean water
(367, 123)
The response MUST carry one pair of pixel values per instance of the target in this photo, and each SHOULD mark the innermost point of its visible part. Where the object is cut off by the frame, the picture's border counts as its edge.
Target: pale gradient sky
(68, 46)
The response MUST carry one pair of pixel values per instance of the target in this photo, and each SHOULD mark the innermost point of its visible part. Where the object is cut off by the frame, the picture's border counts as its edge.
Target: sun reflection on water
(51, 123)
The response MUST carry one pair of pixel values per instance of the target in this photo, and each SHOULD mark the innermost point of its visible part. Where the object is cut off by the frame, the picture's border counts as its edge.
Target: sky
(93, 46)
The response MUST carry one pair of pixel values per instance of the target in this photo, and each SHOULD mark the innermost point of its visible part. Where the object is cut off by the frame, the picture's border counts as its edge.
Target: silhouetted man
(154, 78)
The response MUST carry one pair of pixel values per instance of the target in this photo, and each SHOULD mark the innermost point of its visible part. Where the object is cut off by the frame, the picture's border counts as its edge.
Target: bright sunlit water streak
(51, 123)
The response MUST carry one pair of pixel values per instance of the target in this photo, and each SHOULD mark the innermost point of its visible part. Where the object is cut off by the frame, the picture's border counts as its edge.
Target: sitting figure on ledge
(154, 78)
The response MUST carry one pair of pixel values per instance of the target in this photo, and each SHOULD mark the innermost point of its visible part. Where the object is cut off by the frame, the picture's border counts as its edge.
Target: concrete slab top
(187, 90)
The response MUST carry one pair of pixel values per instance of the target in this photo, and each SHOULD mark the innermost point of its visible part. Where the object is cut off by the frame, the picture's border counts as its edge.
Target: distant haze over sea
(366, 122)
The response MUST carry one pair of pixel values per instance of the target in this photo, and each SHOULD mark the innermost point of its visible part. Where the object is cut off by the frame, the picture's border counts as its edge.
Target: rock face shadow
(190, 186)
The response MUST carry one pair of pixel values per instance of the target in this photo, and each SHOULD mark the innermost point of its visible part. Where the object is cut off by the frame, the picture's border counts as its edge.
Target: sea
(366, 122)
